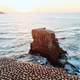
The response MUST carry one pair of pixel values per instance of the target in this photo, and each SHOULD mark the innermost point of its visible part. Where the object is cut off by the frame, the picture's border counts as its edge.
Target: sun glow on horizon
(40, 5)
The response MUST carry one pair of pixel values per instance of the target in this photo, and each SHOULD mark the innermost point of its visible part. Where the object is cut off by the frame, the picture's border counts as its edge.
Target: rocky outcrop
(1, 12)
(46, 44)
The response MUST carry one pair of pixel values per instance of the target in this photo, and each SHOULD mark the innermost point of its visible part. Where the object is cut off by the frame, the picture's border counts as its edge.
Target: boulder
(46, 44)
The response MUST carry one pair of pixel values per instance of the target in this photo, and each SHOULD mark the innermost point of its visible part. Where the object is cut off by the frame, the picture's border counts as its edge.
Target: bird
(11, 69)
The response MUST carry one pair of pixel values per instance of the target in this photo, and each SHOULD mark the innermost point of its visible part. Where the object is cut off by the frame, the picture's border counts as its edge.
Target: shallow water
(15, 33)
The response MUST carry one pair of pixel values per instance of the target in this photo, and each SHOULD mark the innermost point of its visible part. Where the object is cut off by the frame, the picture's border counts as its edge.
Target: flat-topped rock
(46, 44)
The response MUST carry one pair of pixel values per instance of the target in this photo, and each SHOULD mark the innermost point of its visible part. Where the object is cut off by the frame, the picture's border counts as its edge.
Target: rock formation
(1, 12)
(15, 70)
(46, 44)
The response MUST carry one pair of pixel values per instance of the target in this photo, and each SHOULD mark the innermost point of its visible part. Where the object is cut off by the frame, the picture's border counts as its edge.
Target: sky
(40, 5)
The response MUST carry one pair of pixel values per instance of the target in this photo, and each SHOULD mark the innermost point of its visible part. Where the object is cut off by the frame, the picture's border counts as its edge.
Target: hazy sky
(40, 5)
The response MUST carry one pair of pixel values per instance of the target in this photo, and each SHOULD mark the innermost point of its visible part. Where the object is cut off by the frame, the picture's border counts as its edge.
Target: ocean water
(15, 34)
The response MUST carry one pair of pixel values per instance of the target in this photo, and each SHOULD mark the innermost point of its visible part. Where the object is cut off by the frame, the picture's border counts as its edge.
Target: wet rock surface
(46, 44)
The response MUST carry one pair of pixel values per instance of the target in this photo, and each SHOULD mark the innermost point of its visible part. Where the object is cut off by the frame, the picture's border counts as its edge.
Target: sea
(15, 35)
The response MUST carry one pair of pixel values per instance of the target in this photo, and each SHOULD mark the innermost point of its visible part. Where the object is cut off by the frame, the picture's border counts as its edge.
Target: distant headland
(2, 12)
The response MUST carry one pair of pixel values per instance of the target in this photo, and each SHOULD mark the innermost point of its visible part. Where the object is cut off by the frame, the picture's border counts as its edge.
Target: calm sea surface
(15, 33)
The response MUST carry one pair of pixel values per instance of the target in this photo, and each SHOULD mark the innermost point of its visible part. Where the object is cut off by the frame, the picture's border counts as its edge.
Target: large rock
(46, 44)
